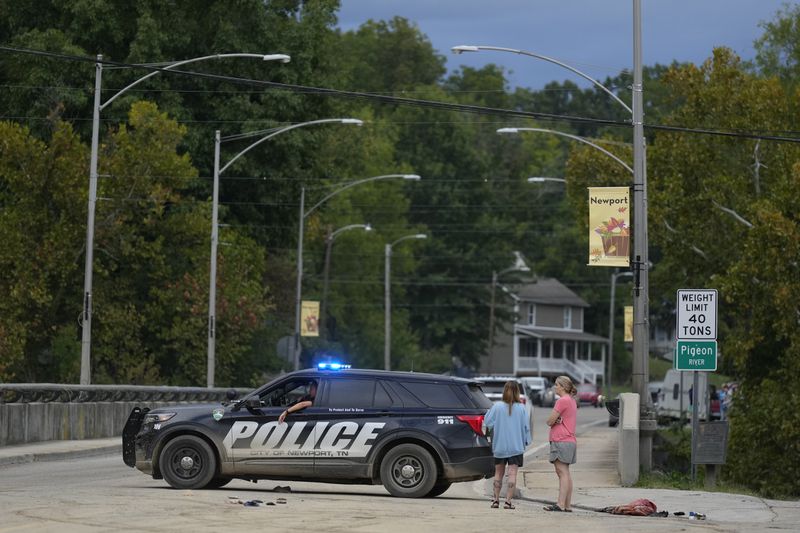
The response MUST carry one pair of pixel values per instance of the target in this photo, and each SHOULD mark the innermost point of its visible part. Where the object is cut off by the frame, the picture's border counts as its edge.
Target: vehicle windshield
(587, 387)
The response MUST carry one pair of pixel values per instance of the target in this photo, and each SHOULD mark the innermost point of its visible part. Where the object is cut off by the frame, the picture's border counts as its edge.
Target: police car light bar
(332, 366)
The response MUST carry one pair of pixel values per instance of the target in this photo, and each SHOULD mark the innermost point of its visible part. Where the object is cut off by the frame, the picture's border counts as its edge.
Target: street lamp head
(420, 236)
(464, 48)
(355, 121)
(368, 227)
(519, 262)
(508, 130)
(283, 58)
(542, 179)
(413, 177)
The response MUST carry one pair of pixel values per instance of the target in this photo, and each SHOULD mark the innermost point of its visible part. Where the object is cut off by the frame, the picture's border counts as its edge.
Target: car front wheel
(187, 462)
(408, 471)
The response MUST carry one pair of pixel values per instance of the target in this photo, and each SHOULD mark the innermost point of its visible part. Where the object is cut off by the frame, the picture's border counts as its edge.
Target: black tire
(408, 471)
(438, 489)
(218, 482)
(187, 462)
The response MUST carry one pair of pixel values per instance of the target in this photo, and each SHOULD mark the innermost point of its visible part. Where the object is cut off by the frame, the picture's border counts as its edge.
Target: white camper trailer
(674, 395)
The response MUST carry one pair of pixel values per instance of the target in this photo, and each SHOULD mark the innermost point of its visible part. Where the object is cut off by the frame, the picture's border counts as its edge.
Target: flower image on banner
(609, 228)
(309, 319)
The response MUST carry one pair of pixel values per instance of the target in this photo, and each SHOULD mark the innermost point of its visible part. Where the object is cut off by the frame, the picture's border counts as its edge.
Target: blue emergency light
(332, 366)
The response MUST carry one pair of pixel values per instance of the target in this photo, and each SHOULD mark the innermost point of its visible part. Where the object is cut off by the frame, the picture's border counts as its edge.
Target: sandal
(508, 505)
(554, 507)
(495, 504)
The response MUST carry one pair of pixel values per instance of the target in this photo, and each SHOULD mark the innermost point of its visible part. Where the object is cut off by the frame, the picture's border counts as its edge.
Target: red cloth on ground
(640, 507)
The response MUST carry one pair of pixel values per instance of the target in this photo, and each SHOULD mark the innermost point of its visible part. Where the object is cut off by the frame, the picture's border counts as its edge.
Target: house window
(531, 314)
(567, 318)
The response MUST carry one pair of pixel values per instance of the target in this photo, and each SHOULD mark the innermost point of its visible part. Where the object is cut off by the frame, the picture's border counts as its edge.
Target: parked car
(549, 396)
(492, 387)
(536, 388)
(414, 433)
(588, 393)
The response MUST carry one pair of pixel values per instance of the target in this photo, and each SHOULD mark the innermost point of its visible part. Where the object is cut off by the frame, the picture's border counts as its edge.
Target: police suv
(414, 433)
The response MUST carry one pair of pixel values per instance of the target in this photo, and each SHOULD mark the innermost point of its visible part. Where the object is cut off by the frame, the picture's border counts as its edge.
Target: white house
(547, 338)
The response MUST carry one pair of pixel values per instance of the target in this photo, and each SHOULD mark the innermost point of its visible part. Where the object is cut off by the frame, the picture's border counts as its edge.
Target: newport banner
(309, 319)
(609, 228)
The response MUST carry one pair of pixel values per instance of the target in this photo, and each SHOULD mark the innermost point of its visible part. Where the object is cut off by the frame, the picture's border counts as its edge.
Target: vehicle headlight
(154, 418)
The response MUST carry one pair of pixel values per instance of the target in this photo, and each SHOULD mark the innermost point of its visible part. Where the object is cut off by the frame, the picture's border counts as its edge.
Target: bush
(765, 437)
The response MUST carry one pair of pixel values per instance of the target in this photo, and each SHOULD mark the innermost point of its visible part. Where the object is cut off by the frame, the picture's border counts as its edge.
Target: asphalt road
(102, 494)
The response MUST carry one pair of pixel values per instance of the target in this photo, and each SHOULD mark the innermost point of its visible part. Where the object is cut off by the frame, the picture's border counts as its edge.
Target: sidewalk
(596, 485)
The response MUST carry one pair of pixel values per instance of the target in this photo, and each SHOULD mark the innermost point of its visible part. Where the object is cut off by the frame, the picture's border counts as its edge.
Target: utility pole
(641, 327)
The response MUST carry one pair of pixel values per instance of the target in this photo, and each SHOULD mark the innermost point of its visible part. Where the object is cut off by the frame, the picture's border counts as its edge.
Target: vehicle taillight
(522, 399)
(474, 421)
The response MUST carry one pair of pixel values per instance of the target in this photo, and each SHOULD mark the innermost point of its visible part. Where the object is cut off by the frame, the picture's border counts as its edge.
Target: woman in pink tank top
(563, 445)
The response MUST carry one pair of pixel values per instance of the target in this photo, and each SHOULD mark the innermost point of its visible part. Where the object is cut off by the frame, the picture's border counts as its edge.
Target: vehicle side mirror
(253, 403)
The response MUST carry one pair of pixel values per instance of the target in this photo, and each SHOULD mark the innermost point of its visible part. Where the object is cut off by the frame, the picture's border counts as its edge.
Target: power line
(428, 104)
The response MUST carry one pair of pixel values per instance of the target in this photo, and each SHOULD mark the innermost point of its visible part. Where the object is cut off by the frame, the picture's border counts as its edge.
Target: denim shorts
(566, 452)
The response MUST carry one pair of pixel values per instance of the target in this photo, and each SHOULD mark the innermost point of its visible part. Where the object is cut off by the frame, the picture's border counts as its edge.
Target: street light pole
(212, 290)
(520, 266)
(86, 316)
(86, 332)
(387, 296)
(326, 270)
(303, 215)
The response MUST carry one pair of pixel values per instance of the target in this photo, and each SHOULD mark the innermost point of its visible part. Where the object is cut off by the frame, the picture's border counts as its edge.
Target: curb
(37, 457)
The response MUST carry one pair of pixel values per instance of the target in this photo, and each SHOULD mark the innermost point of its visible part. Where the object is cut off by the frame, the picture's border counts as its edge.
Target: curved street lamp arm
(282, 130)
(407, 237)
(574, 138)
(333, 235)
(459, 49)
(540, 179)
(269, 57)
(358, 182)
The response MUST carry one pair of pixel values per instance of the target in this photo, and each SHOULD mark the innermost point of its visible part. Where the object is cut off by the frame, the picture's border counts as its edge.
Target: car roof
(312, 373)
(496, 378)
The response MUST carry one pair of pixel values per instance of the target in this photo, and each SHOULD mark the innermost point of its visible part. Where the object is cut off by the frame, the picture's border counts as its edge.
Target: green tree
(724, 215)
(42, 211)
(778, 48)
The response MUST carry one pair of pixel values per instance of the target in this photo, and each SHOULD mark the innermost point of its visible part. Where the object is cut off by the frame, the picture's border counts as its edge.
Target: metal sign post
(696, 350)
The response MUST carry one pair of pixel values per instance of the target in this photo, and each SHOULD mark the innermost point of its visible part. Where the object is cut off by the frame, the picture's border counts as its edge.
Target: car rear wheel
(408, 471)
(187, 462)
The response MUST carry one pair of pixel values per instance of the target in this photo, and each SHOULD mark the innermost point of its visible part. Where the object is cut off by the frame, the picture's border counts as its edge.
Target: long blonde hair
(510, 394)
(567, 385)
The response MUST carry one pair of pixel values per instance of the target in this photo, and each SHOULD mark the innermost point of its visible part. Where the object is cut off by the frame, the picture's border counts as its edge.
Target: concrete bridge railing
(34, 412)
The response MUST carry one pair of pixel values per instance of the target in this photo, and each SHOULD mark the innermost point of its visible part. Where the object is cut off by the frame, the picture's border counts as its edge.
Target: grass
(680, 481)
(671, 466)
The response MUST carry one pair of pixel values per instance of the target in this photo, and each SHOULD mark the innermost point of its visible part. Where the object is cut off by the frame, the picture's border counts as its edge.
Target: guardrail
(35, 412)
(54, 392)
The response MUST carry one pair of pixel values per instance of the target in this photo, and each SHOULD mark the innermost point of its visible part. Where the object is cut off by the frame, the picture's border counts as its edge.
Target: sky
(594, 36)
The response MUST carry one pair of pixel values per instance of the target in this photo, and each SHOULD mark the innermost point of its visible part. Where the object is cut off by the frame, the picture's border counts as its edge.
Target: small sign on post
(697, 314)
(712, 443)
(696, 355)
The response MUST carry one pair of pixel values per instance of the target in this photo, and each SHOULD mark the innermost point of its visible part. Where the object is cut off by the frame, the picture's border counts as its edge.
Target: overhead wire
(411, 102)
